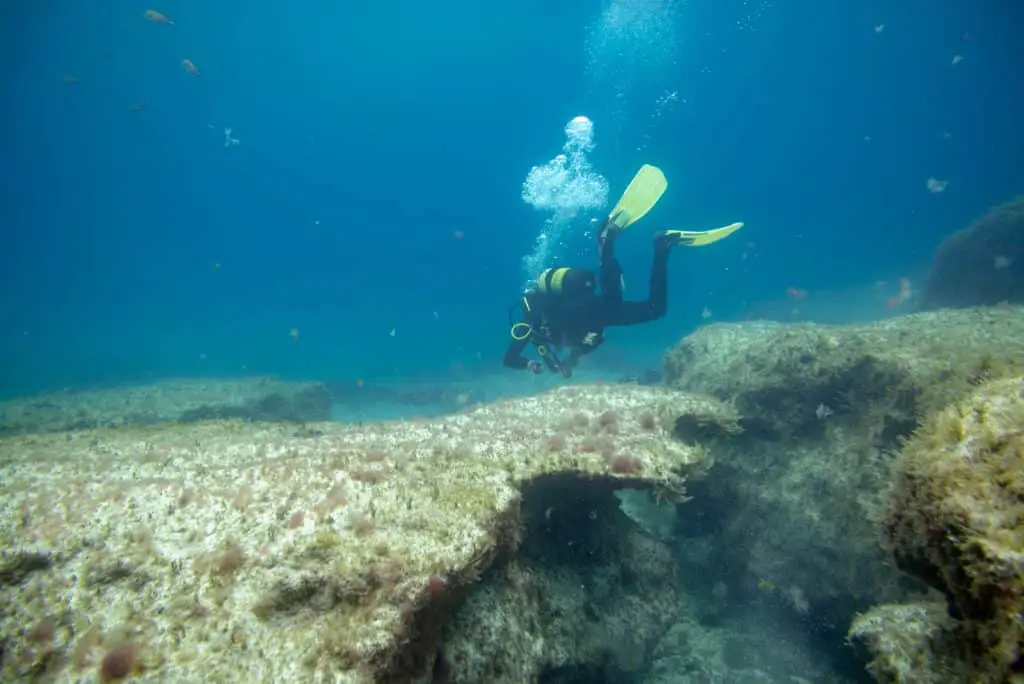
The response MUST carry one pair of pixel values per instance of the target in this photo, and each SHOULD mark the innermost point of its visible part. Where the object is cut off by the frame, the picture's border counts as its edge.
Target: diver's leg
(659, 274)
(655, 306)
(606, 234)
(611, 271)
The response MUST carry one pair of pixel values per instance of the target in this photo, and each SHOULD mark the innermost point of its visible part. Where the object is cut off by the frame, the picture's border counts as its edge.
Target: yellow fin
(699, 238)
(640, 196)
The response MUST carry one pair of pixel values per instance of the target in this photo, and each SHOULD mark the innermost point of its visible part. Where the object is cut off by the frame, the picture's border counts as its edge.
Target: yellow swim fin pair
(643, 192)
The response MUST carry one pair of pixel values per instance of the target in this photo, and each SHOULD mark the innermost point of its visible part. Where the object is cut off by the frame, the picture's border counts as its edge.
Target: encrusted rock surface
(237, 551)
(589, 594)
(956, 521)
(787, 378)
(796, 499)
(257, 399)
(913, 642)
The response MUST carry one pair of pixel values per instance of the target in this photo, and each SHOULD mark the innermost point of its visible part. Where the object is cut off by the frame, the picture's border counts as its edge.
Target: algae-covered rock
(956, 520)
(913, 642)
(786, 379)
(258, 399)
(588, 597)
(983, 264)
(235, 551)
(755, 648)
(792, 525)
(793, 503)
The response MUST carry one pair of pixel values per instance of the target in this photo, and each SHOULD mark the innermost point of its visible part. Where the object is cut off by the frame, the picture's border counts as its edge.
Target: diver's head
(568, 287)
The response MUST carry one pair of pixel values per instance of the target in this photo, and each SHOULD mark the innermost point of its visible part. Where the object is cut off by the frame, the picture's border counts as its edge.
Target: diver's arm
(514, 357)
(578, 352)
(514, 354)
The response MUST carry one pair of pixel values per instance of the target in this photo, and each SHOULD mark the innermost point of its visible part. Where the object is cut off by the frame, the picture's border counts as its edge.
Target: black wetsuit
(580, 328)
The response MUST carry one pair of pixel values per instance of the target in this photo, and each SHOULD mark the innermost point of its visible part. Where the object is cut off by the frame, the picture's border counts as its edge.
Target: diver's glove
(534, 367)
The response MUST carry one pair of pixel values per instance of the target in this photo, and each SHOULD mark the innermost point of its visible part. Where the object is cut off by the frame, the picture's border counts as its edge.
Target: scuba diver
(565, 310)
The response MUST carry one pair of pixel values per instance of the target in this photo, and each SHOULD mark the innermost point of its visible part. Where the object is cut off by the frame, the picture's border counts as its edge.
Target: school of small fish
(934, 185)
(157, 17)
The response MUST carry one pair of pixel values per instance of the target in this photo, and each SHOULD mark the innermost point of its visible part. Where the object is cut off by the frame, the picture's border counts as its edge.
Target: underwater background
(365, 219)
(239, 239)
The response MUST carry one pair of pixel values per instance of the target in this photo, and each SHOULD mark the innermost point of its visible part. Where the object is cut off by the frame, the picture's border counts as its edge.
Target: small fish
(935, 186)
(190, 67)
(139, 106)
(705, 313)
(795, 293)
(879, 28)
(157, 17)
(956, 60)
(294, 334)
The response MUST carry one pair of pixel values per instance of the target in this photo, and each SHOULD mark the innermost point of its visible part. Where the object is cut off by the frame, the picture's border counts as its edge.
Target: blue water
(137, 245)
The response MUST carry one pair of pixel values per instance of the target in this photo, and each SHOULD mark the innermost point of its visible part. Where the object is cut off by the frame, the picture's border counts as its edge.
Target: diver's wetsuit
(580, 328)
